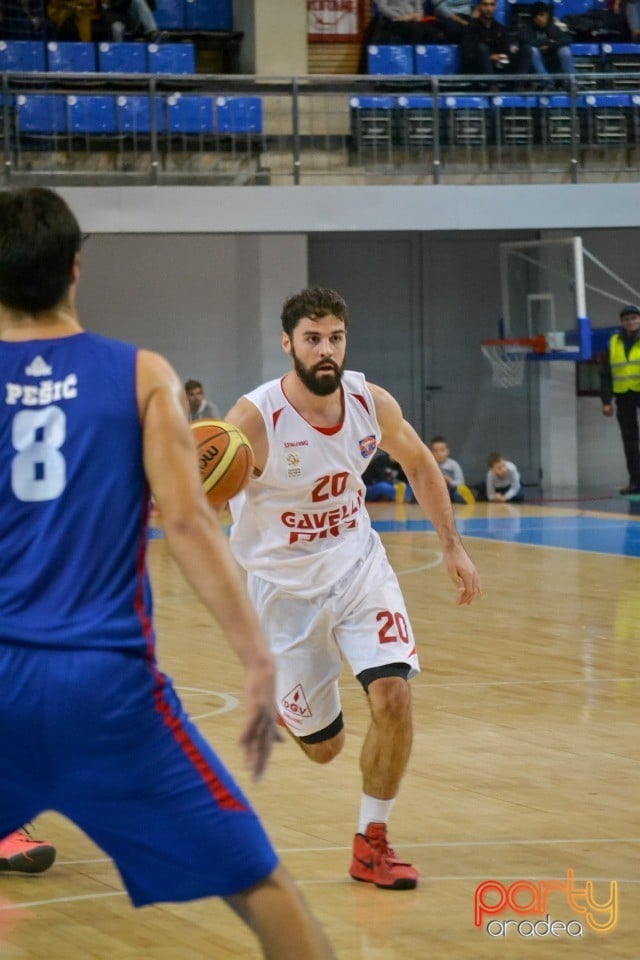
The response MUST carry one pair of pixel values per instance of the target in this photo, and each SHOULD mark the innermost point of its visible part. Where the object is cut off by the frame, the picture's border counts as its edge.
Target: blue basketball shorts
(101, 737)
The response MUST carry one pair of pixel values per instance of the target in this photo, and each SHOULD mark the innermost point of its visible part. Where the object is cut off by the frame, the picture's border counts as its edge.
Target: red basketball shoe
(374, 861)
(21, 854)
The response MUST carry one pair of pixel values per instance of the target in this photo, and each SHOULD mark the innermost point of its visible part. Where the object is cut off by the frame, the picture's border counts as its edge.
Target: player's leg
(308, 662)
(627, 416)
(279, 916)
(387, 746)
(173, 819)
(23, 783)
(376, 638)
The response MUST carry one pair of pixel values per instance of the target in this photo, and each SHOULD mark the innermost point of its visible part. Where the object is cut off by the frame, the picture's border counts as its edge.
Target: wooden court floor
(525, 769)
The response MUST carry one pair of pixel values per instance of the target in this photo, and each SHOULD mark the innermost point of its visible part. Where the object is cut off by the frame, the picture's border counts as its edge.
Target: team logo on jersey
(295, 705)
(368, 446)
(38, 368)
(293, 465)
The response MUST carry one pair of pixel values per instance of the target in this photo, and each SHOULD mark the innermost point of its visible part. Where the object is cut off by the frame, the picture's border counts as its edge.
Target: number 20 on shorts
(393, 627)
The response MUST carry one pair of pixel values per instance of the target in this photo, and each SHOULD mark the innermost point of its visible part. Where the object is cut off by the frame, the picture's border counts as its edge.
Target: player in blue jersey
(92, 728)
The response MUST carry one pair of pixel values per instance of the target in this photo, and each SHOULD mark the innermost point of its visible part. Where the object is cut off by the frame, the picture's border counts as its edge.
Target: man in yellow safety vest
(620, 378)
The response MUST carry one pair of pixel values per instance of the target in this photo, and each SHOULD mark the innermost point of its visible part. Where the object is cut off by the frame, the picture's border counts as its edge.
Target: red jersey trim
(327, 431)
(358, 396)
(223, 797)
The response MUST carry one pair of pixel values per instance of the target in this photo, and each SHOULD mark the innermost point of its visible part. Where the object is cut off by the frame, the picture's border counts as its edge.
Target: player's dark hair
(315, 302)
(494, 458)
(39, 238)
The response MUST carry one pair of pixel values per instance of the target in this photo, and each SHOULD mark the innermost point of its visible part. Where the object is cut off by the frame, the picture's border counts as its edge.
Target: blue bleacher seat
(170, 14)
(437, 59)
(586, 50)
(607, 119)
(91, 114)
(122, 58)
(503, 12)
(622, 58)
(467, 120)
(586, 59)
(238, 115)
(133, 114)
(515, 116)
(416, 120)
(40, 113)
(208, 15)
(390, 59)
(171, 58)
(372, 124)
(190, 114)
(70, 57)
(556, 119)
(566, 8)
(22, 56)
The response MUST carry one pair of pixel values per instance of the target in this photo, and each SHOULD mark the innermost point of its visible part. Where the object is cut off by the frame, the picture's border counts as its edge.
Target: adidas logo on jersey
(38, 368)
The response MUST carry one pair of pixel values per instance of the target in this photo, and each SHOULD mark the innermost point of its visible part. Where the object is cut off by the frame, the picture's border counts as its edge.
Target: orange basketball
(226, 459)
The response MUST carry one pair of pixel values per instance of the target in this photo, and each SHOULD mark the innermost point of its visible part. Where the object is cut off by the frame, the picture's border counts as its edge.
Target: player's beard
(321, 384)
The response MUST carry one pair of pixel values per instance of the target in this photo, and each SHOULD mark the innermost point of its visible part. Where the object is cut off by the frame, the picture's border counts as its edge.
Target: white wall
(206, 302)
(422, 300)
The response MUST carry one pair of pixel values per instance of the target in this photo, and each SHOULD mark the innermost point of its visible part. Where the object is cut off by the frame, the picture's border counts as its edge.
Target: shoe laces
(381, 846)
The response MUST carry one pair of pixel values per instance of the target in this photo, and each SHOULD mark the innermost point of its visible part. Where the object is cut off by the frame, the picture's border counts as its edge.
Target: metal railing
(140, 128)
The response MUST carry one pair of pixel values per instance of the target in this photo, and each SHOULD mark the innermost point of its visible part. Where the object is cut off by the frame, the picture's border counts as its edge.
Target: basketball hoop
(508, 357)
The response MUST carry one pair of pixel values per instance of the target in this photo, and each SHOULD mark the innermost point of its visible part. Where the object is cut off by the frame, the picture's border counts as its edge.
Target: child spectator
(451, 471)
(503, 481)
(385, 481)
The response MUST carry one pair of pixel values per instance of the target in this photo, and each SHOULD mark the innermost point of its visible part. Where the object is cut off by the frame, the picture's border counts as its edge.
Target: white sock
(373, 810)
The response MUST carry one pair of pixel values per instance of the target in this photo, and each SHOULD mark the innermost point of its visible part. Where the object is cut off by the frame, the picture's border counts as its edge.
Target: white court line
(229, 702)
(422, 845)
(46, 903)
(333, 881)
(423, 566)
(516, 683)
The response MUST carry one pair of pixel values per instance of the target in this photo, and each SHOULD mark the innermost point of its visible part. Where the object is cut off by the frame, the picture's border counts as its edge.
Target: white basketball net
(507, 362)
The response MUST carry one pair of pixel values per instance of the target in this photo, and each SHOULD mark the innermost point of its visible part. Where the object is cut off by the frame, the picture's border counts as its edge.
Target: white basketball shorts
(362, 619)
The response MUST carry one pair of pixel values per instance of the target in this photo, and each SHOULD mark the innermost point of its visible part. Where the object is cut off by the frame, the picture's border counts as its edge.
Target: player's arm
(246, 416)
(402, 443)
(199, 544)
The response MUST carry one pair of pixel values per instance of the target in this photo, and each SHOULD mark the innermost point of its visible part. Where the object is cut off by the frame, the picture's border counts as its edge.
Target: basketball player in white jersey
(317, 572)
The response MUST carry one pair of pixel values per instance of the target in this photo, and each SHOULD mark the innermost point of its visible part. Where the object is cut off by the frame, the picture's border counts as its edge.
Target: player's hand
(463, 573)
(261, 730)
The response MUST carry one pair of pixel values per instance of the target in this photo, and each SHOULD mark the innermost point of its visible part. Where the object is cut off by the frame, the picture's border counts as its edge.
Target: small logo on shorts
(295, 704)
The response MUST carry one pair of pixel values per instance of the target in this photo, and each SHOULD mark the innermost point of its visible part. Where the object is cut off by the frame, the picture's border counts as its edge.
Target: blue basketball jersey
(73, 520)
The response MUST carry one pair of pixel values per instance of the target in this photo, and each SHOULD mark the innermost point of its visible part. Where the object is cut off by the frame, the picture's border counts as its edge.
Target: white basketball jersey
(302, 524)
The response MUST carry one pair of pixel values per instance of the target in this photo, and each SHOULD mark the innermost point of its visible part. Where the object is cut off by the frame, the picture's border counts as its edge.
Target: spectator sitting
(132, 19)
(451, 471)
(382, 480)
(548, 44)
(503, 481)
(631, 11)
(73, 19)
(92, 20)
(452, 17)
(485, 47)
(404, 21)
(199, 407)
